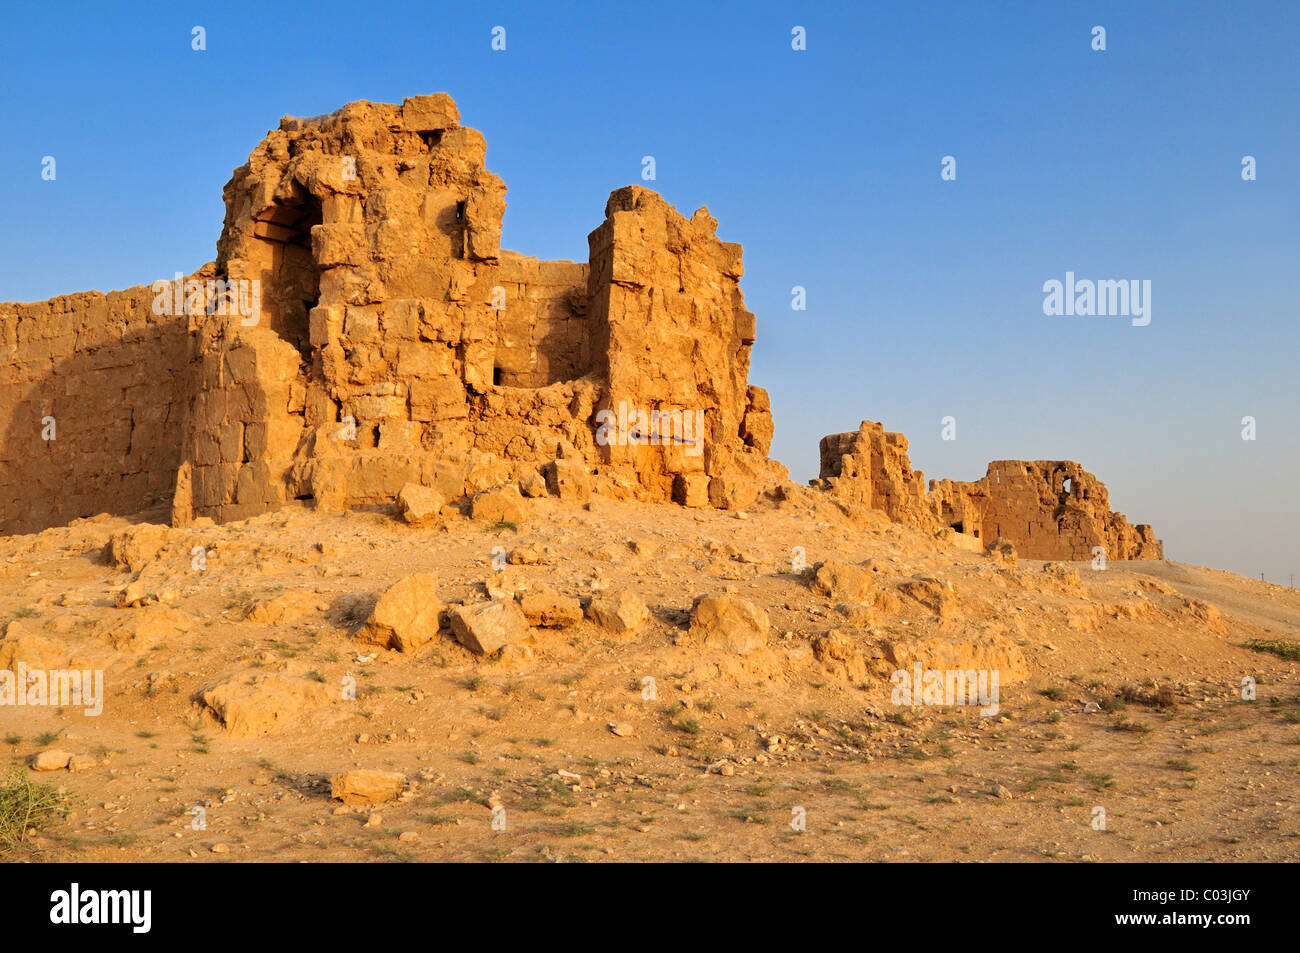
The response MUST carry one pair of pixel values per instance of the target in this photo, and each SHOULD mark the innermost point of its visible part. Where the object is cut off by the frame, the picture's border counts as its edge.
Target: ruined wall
(1050, 509)
(361, 328)
(674, 339)
(398, 342)
(107, 370)
(871, 468)
(374, 234)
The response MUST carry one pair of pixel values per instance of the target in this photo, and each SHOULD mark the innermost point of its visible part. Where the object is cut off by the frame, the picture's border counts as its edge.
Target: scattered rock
(622, 612)
(533, 485)
(488, 626)
(50, 760)
(545, 607)
(365, 786)
(527, 556)
(284, 609)
(502, 505)
(406, 615)
(134, 547)
(418, 504)
(841, 582)
(729, 623)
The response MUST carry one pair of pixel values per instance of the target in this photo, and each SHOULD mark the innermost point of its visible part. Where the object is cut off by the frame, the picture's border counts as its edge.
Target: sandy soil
(727, 758)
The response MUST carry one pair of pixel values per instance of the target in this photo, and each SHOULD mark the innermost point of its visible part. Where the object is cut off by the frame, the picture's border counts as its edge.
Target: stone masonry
(390, 340)
(1050, 509)
(362, 329)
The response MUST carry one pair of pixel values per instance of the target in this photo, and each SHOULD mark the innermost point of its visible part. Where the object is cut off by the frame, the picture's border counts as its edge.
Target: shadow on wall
(98, 432)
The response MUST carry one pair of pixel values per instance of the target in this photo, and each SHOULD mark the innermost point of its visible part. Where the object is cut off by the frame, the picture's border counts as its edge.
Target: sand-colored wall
(109, 372)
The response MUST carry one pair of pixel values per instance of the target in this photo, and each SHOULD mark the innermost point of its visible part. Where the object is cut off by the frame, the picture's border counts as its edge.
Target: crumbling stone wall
(418, 350)
(675, 340)
(362, 328)
(366, 330)
(100, 375)
(871, 468)
(1050, 509)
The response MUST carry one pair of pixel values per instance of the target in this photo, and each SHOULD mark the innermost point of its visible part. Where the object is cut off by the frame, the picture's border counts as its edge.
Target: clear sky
(924, 296)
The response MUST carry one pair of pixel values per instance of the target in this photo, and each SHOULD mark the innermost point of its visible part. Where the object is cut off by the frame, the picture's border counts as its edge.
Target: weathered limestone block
(729, 623)
(406, 615)
(486, 627)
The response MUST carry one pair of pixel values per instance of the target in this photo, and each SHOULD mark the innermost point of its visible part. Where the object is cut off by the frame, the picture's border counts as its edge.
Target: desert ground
(227, 649)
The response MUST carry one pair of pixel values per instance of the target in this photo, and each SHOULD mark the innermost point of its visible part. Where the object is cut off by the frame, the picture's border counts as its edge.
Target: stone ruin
(1049, 509)
(362, 329)
(394, 341)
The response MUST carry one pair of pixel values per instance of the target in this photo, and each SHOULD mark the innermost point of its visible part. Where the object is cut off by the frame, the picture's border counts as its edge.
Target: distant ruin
(362, 329)
(1050, 509)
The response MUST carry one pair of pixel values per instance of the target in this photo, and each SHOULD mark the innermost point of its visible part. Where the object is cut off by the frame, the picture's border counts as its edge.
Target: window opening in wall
(1067, 485)
(497, 376)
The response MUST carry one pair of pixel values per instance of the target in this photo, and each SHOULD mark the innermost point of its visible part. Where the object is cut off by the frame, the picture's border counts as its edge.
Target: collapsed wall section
(1049, 509)
(674, 341)
(871, 468)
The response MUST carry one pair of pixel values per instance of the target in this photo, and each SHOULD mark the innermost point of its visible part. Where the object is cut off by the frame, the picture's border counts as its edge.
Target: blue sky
(924, 297)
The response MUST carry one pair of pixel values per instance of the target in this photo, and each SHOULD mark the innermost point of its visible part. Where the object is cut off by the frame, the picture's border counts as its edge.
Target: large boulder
(728, 623)
(418, 504)
(255, 703)
(841, 582)
(569, 480)
(487, 626)
(362, 786)
(1003, 552)
(932, 592)
(406, 615)
(622, 612)
(284, 609)
(502, 505)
